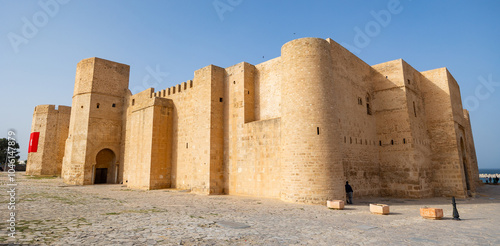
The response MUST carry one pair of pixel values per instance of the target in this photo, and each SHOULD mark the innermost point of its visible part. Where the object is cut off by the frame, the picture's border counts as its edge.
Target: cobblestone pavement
(48, 212)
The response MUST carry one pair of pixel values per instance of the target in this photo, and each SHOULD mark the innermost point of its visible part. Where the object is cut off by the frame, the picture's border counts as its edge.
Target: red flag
(33, 147)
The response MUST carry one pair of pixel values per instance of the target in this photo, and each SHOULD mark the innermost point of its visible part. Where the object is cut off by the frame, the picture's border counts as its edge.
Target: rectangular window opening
(317, 130)
(414, 109)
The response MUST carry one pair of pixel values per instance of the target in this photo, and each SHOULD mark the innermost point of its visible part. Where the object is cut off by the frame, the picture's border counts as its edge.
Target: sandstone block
(379, 209)
(335, 204)
(431, 213)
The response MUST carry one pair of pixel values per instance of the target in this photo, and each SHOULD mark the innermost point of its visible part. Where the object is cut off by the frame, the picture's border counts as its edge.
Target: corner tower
(311, 153)
(95, 133)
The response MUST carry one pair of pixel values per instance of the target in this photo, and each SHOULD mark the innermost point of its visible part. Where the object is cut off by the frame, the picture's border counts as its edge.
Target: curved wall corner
(312, 170)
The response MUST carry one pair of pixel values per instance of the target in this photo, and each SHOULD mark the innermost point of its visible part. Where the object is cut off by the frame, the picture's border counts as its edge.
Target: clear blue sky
(179, 37)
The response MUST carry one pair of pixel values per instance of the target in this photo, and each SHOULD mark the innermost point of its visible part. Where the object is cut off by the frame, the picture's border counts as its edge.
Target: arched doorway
(464, 162)
(104, 167)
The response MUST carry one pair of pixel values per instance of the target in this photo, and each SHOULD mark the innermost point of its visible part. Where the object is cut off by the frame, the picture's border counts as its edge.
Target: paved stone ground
(52, 213)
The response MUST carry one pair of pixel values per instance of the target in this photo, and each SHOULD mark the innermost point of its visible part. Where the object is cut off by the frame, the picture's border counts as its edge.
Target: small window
(98, 105)
(133, 102)
(345, 140)
(404, 140)
(81, 107)
(414, 109)
(380, 143)
(392, 142)
(317, 130)
(114, 105)
(360, 101)
(234, 82)
(220, 99)
(187, 145)
(386, 77)
(368, 108)
(350, 140)
(409, 82)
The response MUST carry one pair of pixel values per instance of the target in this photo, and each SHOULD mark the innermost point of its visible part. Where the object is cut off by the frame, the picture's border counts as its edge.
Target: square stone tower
(94, 141)
(49, 131)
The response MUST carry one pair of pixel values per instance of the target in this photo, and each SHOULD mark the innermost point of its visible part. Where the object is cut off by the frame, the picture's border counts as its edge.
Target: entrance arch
(464, 163)
(104, 167)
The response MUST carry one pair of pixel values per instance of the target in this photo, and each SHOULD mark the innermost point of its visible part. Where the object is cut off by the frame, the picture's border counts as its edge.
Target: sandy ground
(48, 212)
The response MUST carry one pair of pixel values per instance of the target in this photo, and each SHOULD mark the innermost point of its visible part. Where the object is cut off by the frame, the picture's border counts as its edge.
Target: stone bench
(431, 213)
(335, 204)
(379, 209)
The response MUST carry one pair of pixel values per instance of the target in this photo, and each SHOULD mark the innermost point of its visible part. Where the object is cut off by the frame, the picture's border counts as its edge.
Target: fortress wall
(258, 171)
(149, 146)
(184, 125)
(52, 124)
(252, 160)
(233, 121)
(216, 168)
(196, 133)
(161, 165)
(419, 140)
(132, 125)
(446, 159)
(399, 171)
(63, 118)
(475, 182)
(76, 143)
(353, 82)
(268, 89)
(311, 154)
(125, 113)
(139, 144)
(466, 155)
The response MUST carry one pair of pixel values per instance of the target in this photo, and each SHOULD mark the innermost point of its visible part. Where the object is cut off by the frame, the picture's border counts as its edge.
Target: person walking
(348, 191)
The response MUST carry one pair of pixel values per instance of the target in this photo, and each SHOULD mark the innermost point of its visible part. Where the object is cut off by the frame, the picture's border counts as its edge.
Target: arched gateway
(104, 170)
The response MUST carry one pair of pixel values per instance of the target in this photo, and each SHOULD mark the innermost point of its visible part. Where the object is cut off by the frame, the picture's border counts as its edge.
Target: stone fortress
(295, 127)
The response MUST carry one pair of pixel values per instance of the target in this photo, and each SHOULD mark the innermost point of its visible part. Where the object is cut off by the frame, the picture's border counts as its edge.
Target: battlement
(49, 108)
(179, 88)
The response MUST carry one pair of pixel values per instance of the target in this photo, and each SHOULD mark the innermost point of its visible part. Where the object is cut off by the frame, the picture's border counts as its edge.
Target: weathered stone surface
(295, 127)
(335, 204)
(379, 209)
(431, 213)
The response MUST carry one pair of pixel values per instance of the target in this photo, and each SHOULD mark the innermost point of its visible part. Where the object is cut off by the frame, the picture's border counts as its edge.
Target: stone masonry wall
(353, 93)
(53, 126)
(295, 127)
